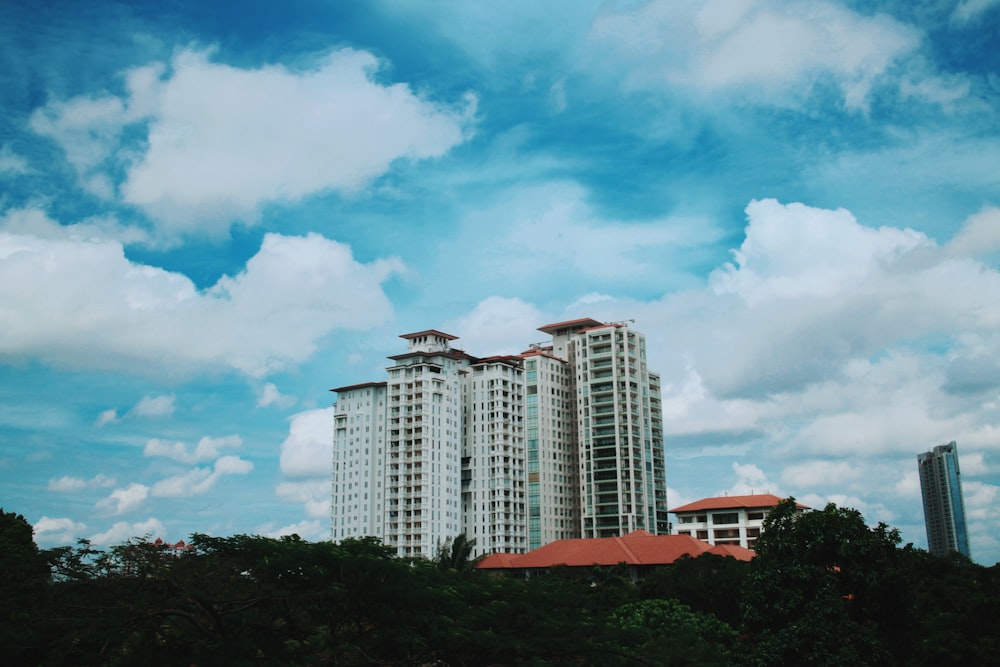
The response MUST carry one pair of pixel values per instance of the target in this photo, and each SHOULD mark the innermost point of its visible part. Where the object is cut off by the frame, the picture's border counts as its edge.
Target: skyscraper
(564, 440)
(944, 508)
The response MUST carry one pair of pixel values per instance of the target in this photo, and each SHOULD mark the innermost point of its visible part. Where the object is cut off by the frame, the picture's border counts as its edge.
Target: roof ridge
(634, 559)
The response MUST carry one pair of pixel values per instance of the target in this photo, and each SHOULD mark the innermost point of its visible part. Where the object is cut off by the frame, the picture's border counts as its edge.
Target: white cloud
(12, 163)
(84, 305)
(122, 531)
(970, 9)
(833, 353)
(222, 141)
(314, 494)
(57, 531)
(69, 484)
(818, 474)
(124, 500)
(775, 53)
(270, 396)
(497, 325)
(200, 480)
(109, 416)
(750, 479)
(33, 221)
(308, 529)
(207, 448)
(308, 449)
(154, 406)
(979, 235)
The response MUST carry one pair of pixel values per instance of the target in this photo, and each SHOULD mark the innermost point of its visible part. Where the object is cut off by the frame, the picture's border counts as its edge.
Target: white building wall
(424, 447)
(493, 461)
(740, 526)
(551, 445)
(358, 462)
(622, 470)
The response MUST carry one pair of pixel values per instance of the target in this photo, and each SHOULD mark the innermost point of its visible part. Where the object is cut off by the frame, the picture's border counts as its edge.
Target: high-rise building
(562, 441)
(944, 508)
(358, 461)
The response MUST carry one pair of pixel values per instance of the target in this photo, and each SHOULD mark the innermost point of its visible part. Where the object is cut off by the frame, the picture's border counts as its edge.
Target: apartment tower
(562, 441)
(944, 507)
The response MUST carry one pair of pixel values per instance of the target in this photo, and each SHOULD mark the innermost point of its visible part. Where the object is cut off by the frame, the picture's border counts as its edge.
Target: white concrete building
(562, 441)
(551, 448)
(424, 445)
(494, 472)
(358, 460)
(727, 519)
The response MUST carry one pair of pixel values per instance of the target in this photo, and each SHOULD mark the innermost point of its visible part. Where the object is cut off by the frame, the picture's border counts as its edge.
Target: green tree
(23, 587)
(667, 632)
(825, 589)
(456, 554)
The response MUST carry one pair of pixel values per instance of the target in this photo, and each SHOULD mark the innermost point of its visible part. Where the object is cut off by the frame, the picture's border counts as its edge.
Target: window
(725, 517)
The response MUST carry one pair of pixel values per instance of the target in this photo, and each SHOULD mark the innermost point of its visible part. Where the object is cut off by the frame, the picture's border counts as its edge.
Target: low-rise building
(640, 552)
(727, 520)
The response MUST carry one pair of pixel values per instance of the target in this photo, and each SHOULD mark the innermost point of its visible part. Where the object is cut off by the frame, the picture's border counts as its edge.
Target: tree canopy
(825, 588)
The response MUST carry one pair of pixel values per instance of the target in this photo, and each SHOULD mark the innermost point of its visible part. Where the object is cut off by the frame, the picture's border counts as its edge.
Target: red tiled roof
(540, 352)
(581, 323)
(496, 561)
(636, 548)
(732, 502)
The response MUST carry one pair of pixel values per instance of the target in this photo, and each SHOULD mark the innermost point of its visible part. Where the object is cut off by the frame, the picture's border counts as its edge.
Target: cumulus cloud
(306, 459)
(308, 449)
(314, 494)
(835, 351)
(57, 531)
(83, 304)
(775, 53)
(497, 325)
(122, 531)
(207, 448)
(220, 141)
(34, 221)
(124, 500)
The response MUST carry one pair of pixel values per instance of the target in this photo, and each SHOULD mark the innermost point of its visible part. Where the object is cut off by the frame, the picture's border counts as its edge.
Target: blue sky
(212, 213)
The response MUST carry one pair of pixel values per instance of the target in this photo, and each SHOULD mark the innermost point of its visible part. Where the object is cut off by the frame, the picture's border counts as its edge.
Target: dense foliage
(825, 589)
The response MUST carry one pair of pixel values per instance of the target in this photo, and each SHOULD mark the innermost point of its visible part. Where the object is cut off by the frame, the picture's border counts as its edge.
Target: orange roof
(636, 548)
(732, 502)
(581, 323)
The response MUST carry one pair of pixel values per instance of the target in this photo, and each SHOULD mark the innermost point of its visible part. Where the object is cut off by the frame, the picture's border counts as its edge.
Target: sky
(212, 213)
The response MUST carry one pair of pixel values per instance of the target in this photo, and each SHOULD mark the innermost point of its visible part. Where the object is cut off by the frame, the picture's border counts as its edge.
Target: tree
(825, 589)
(456, 554)
(23, 586)
(667, 632)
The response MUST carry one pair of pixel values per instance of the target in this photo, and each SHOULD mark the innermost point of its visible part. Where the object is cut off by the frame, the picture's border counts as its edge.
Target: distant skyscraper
(944, 509)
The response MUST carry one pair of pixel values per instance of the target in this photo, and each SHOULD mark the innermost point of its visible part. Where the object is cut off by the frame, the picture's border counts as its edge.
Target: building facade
(944, 506)
(359, 461)
(562, 441)
(735, 520)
